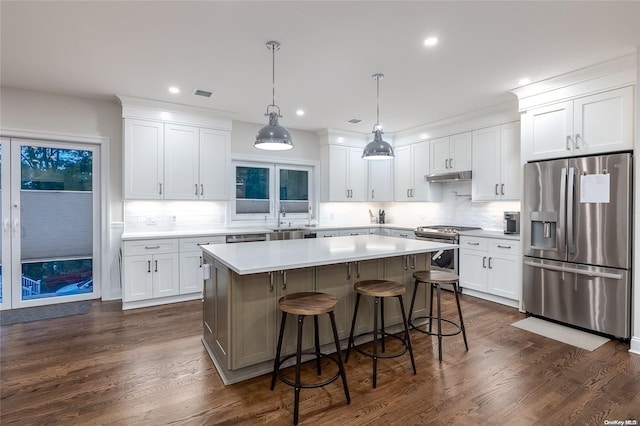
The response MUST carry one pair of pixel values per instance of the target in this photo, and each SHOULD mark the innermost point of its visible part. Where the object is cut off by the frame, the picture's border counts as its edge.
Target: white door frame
(101, 274)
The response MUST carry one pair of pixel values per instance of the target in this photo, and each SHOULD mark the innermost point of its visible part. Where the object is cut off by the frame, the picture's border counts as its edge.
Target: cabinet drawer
(131, 248)
(473, 243)
(505, 246)
(193, 244)
(401, 233)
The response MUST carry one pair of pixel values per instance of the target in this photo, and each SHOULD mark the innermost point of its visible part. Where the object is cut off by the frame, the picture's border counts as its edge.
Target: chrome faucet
(281, 211)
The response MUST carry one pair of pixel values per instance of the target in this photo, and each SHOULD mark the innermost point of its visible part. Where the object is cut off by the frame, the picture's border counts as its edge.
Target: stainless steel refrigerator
(577, 233)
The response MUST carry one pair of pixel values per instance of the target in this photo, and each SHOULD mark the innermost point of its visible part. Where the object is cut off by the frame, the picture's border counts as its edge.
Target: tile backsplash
(145, 216)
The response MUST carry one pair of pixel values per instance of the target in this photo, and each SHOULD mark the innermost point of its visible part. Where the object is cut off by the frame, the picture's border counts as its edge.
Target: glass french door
(50, 222)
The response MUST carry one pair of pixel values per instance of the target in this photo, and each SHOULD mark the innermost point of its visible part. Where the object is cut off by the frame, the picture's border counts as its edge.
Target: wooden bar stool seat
(436, 279)
(379, 289)
(308, 304)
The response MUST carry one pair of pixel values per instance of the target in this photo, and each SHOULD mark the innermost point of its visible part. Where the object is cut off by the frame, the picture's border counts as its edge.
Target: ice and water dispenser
(544, 226)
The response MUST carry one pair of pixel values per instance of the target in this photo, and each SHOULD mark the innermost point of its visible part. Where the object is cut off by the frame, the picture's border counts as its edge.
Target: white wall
(46, 112)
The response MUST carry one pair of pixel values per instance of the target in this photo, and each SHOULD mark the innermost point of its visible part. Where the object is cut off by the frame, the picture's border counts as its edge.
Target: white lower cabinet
(491, 268)
(191, 262)
(150, 269)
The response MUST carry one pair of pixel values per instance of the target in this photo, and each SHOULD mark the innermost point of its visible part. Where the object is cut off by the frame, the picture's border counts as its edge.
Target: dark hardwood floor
(148, 366)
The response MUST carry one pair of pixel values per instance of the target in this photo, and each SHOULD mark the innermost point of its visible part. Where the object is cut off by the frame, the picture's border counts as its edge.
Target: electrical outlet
(152, 220)
(173, 219)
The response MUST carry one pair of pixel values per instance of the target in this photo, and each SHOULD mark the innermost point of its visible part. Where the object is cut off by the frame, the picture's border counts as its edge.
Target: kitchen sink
(286, 234)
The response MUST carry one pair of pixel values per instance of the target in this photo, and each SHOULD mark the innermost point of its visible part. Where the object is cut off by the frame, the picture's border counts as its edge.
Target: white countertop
(490, 234)
(266, 256)
(197, 232)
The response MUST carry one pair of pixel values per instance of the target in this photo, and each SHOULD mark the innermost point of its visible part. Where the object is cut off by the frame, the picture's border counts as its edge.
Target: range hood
(449, 177)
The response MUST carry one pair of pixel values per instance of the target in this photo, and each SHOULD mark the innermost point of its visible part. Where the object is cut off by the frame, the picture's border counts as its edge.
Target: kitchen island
(243, 283)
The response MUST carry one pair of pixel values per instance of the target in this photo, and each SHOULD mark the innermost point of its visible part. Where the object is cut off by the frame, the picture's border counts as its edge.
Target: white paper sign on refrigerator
(595, 188)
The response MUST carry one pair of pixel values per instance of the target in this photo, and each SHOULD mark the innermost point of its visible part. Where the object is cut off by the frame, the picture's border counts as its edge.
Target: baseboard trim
(634, 346)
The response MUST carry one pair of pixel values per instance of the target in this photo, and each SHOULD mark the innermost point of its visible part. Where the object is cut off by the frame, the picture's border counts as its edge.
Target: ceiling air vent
(354, 121)
(203, 93)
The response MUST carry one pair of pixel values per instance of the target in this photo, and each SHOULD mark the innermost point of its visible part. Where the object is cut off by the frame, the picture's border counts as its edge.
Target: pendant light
(273, 137)
(378, 149)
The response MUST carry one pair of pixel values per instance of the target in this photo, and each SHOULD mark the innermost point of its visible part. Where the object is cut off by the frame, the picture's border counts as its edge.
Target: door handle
(473, 243)
(570, 207)
(196, 189)
(446, 160)
(347, 191)
(502, 189)
(413, 261)
(270, 281)
(201, 189)
(156, 266)
(6, 225)
(201, 261)
(408, 193)
(484, 261)
(497, 189)
(413, 192)
(358, 269)
(406, 263)
(504, 247)
(577, 137)
(372, 194)
(148, 266)
(490, 263)
(160, 188)
(151, 247)
(451, 163)
(348, 270)
(568, 142)
(284, 279)
(573, 271)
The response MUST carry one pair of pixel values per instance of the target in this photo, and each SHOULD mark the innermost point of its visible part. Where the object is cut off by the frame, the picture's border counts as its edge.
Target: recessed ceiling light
(174, 90)
(300, 112)
(524, 81)
(424, 136)
(431, 41)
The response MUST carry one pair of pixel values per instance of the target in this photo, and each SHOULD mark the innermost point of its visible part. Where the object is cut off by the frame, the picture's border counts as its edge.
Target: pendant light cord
(273, 75)
(378, 101)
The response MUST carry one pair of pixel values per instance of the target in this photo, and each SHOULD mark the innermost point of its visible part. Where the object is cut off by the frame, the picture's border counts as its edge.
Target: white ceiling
(329, 52)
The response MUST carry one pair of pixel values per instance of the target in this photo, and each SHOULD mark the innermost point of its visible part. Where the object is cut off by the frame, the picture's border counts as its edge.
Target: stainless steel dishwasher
(246, 238)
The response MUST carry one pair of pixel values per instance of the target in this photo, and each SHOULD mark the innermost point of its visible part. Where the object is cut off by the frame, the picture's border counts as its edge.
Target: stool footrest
(383, 354)
(430, 322)
(309, 385)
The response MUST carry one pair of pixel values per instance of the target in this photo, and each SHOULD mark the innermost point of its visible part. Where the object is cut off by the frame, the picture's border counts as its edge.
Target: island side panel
(215, 310)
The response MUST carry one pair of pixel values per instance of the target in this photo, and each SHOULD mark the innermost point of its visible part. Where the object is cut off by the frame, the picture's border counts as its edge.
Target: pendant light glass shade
(273, 136)
(378, 148)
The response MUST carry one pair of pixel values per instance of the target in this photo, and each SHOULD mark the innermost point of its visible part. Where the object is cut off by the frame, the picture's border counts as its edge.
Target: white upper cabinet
(451, 153)
(174, 162)
(496, 163)
(143, 159)
(164, 160)
(344, 174)
(411, 168)
(380, 180)
(588, 125)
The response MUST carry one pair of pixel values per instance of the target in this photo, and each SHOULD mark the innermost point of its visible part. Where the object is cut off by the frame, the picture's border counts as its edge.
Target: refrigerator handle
(574, 271)
(563, 208)
(571, 244)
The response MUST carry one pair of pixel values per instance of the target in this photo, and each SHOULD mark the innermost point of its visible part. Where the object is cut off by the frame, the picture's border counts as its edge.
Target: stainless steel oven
(444, 259)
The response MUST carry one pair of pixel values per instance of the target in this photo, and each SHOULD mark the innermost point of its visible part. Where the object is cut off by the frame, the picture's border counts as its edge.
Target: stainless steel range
(443, 259)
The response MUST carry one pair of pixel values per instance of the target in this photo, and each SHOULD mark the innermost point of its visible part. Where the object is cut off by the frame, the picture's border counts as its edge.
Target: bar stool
(302, 305)
(379, 289)
(437, 278)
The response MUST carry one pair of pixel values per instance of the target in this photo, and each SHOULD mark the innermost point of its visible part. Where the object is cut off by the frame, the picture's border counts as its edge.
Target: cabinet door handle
(201, 261)
(270, 281)
(568, 142)
(484, 261)
(504, 247)
(203, 244)
(201, 189)
(348, 270)
(408, 193)
(160, 188)
(451, 163)
(151, 247)
(413, 261)
(406, 263)
(156, 265)
(473, 243)
(413, 192)
(372, 194)
(577, 137)
(490, 262)
(196, 189)
(502, 189)
(357, 269)
(284, 279)
(148, 266)
(347, 193)
(497, 193)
